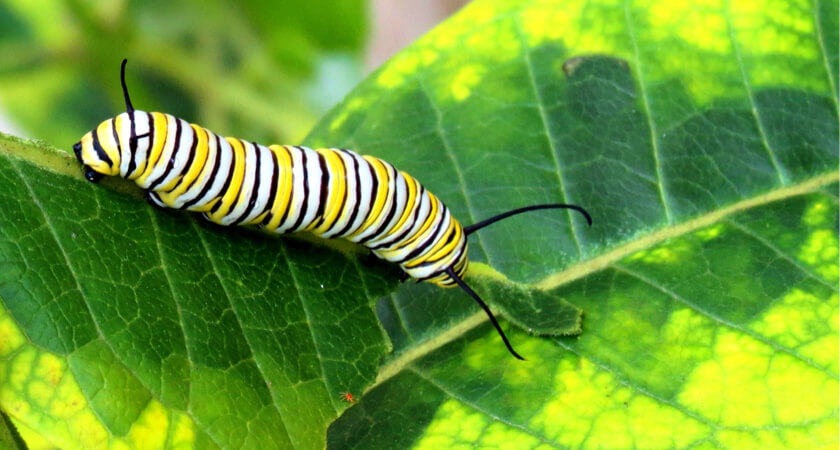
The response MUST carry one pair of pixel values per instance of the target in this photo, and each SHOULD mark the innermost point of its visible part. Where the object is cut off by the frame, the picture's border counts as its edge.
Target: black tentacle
(486, 309)
(477, 226)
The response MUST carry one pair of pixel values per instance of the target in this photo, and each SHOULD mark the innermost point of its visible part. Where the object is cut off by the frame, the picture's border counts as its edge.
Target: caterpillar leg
(153, 199)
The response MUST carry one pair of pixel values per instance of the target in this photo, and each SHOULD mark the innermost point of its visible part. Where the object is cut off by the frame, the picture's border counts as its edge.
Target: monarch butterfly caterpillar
(333, 193)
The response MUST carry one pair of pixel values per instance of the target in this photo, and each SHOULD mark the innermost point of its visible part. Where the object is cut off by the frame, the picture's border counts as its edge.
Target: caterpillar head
(109, 148)
(101, 150)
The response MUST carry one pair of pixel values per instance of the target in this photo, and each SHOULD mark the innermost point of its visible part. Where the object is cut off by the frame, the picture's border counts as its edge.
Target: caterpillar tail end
(486, 309)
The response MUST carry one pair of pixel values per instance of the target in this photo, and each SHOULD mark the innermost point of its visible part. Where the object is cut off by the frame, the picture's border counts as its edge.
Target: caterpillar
(333, 193)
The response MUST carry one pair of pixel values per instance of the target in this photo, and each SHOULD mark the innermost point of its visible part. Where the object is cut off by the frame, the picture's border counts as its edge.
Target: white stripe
(267, 164)
(156, 200)
(203, 176)
(389, 199)
(414, 221)
(363, 202)
(401, 198)
(449, 260)
(166, 153)
(297, 191)
(141, 126)
(442, 219)
(314, 180)
(350, 194)
(181, 154)
(225, 166)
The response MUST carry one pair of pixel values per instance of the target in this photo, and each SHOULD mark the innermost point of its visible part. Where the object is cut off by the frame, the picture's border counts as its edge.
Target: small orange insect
(348, 397)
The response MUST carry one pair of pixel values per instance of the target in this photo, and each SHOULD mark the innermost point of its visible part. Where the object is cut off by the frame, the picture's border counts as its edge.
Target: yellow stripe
(284, 185)
(338, 187)
(452, 246)
(206, 172)
(409, 202)
(409, 241)
(105, 132)
(381, 194)
(435, 250)
(198, 163)
(123, 137)
(156, 150)
(91, 159)
(255, 220)
(235, 183)
(159, 126)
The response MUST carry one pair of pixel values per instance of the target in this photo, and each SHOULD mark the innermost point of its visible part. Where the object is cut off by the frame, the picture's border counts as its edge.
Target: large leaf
(703, 139)
(704, 145)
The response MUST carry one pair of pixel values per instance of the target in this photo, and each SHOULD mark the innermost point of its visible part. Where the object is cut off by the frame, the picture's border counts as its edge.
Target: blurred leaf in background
(259, 68)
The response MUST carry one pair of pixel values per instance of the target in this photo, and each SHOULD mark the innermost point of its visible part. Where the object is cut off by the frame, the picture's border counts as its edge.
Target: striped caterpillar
(333, 193)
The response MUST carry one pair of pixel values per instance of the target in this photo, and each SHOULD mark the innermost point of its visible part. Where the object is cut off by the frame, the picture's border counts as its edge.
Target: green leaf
(703, 139)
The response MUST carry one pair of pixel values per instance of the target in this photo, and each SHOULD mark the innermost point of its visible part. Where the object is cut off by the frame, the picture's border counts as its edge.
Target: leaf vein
(543, 439)
(654, 142)
(242, 327)
(561, 183)
(783, 179)
(808, 272)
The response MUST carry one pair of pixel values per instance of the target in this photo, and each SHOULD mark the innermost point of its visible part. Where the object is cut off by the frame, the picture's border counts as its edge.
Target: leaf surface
(704, 146)
(702, 139)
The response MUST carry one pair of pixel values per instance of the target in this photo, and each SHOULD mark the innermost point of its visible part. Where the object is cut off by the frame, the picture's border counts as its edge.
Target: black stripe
(254, 190)
(190, 160)
(132, 137)
(272, 194)
(225, 186)
(171, 163)
(458, 267)
(374, 175)
(100, 152)
(422, 247)
(132, 163)
(290, 205)
(435, 261)
(408, 229)
(116, 136)
(327, 175)
(244, 173)
(212, 176)
(358, 197)
(391, 211)
(305, 204)
(192, 156)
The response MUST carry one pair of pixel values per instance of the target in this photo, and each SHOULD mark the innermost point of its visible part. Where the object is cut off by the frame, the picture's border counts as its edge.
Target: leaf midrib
(644, 241)
(607, 260)
(55, 160)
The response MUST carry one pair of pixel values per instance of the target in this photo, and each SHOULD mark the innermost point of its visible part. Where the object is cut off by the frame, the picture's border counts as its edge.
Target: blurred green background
(259, 69)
